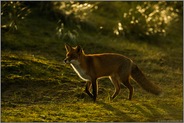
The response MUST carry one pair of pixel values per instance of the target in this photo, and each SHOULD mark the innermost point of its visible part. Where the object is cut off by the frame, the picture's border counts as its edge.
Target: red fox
(117, 67)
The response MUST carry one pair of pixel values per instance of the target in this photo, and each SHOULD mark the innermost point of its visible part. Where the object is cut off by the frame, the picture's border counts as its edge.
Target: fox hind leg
(129, 86)
(116, 84)
(124, 77)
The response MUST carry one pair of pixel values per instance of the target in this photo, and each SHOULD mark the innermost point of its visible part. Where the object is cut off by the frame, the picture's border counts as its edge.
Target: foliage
(67, 35)
(78, 10)
(147, 19)
(12, 12)
(141, 19)
(73, 15)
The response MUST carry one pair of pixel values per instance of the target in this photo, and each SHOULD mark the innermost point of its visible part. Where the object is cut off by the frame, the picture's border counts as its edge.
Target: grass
(37, 86)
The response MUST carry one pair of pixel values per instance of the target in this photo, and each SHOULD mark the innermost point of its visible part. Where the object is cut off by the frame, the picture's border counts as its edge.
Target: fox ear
(68, 47)
(79, 49)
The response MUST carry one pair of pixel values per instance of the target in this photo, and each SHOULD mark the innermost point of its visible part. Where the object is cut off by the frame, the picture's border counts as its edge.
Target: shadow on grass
(119, 114)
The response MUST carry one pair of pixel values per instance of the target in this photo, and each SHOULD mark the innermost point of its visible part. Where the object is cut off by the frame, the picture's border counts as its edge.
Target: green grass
(37, 86)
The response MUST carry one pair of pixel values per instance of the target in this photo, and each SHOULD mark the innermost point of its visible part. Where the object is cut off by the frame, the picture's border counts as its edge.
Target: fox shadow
(119, 115)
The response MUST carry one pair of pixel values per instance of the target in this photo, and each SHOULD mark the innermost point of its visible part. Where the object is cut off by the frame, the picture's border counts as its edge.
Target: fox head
(72, 53)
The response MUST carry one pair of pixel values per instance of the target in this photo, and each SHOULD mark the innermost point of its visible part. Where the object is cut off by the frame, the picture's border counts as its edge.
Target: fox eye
(73, 56)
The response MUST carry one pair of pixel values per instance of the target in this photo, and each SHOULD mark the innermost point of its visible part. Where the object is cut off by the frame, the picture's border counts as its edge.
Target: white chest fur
(80, 72)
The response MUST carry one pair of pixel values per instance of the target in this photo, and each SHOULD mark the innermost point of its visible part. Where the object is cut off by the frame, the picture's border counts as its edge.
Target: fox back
(117, 67)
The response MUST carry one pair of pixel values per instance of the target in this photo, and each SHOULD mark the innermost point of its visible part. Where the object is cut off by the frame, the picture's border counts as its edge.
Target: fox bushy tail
(139, 77)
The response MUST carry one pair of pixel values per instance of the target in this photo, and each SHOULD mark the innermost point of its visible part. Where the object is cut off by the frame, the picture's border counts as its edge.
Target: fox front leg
(88, 87)
(95, 89)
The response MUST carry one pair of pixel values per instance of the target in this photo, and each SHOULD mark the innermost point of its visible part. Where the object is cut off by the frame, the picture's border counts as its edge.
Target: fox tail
(140, 78)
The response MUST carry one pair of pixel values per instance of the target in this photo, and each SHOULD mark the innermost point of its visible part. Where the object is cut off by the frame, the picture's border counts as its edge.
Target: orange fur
(118, 68)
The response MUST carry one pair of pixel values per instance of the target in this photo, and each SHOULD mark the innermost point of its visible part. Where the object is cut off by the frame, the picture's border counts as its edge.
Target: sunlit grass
(121, 110)
(37, 86)
(54, 91)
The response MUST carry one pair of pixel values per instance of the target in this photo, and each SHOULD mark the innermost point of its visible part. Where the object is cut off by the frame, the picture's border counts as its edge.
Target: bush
(147, 19)
(12, 12)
